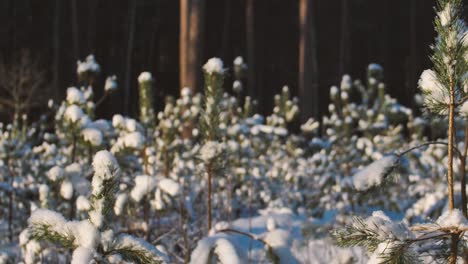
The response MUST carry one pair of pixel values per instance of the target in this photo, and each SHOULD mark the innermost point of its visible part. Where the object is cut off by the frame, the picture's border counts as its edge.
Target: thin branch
(463, 100)
(230, 230)
(427, 144)
(463, 174)
(101, 100)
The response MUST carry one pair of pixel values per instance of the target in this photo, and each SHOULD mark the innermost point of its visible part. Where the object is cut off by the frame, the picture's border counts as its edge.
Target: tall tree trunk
(183, 41)
(56, 50)
(154, 32)
(413, 57)
(250, 39)
(75, 29)
(128, 63)
(226, 26)
(92, 11)
(344, 38)
(308, 86)
(195, 44)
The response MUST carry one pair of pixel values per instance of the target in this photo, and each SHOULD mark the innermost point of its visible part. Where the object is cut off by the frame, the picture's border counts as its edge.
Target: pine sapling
(93, 238)
(442, 86)
(443, 94)
(212, 149)
(147, 118)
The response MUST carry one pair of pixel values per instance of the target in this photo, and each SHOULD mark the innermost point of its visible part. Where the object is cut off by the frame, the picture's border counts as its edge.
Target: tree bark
(344, 38)
(451, 200)
(413, 57)
(195, 44)
(226, 28)
(183, 41)
(92, 11)
(463, 173)
(250, 39)
(308, 87)
(75, 29)
(128, 63)
(56, 50)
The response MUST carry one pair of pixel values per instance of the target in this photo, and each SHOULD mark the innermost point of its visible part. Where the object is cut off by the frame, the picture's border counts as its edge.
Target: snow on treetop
(452, 218)
(84, 232)
(118, 121)
(185, 92)
(55, 173)
(374, 174)
(445, 15)
(310, 126)
(131, 124)
(82, 203)
(92, 136)
(73, 113)
(237, 86)
(47, 217)
(82, 255)
(333, 91)
(145, 77)
(134, 140)
(169, 186)
(143, 185)
(430, 84)
(374, 67)
(111, 83)
(213, 65)
(344, 95)
(66, 190)
(210, 150)
(104, 164)
(75, 96)
(239, 61)
(89, 65)
(346, 82)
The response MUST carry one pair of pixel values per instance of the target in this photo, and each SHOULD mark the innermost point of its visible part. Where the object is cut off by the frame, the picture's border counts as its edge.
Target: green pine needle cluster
(211, 113)
(44, 232)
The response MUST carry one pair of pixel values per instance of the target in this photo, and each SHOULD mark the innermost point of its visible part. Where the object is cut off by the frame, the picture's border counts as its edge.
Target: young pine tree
(445, 93)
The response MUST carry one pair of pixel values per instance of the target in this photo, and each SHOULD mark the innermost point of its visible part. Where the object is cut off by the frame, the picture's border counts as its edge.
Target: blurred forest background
(305, 44)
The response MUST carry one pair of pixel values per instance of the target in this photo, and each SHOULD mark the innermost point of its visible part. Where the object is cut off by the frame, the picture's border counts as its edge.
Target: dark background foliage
(349, 33)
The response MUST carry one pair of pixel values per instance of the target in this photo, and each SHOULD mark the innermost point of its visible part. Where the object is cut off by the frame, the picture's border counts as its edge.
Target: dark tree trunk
(344, 38)
(413, 58)
(195, 44)
(128, 63)
(75, 30)
(250, 39)
(226, 27)
(56, 50)
(308, 86)
(183, 41)
(92, 11)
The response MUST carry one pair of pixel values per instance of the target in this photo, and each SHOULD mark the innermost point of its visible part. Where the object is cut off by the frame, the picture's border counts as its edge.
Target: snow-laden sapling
(146, 94)
(212, 149)
(239, 73)
(92, 238)
(88, 70)
(444, 93)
